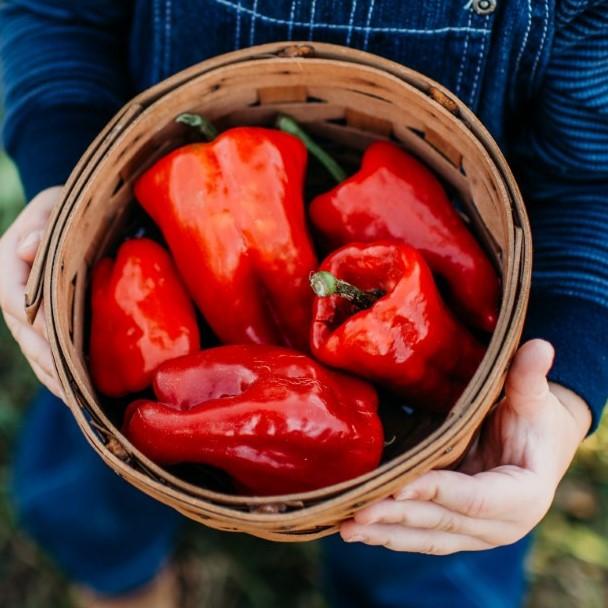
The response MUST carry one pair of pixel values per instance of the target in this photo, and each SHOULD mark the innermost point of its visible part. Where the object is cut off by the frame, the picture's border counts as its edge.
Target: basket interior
(346, 108)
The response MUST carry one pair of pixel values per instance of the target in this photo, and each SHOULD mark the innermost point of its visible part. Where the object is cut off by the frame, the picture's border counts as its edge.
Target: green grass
(568, 567)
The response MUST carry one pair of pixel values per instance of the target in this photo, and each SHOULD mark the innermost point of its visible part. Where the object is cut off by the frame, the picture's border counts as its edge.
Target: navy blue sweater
(536, 72)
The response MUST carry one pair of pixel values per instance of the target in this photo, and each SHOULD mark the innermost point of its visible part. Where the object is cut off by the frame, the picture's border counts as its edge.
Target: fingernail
(357, 538)
(363, 518)
(406, 494)
(32, 239)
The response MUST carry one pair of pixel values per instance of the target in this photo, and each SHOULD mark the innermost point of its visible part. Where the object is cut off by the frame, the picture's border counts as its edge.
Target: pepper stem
(203, 125)
(289, 125)
(325, 284)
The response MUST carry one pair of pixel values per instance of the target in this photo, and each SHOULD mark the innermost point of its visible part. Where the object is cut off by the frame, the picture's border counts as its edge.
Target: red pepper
(141, 317)
(233, 216)
(275, 420)
(384, 320)
(394, 196)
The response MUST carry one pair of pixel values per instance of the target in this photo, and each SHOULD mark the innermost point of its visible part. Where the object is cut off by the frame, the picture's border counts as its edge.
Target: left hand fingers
(430, 516)
(506, 493)
(400, 538)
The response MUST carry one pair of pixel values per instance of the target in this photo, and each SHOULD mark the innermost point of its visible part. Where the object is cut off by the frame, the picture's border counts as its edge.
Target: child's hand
(507, 482)
(18, 248)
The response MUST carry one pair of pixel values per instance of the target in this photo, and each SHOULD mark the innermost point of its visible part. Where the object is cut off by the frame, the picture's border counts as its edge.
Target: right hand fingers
(33, 346)
(18, 247)
(26, 251)
(48, 379)
(37, 351)
(32, 219)
(28, 247)
(50, 382)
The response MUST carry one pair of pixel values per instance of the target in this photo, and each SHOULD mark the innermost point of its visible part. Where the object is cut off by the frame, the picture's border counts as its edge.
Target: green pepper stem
(203, 125)
(325, 284)
(289, 125)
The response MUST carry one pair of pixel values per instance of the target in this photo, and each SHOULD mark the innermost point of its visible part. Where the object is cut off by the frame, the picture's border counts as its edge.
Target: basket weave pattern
(346, 96)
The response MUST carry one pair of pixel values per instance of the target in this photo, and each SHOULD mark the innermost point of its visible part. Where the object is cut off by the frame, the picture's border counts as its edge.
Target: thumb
(527, 383)
(27, 248)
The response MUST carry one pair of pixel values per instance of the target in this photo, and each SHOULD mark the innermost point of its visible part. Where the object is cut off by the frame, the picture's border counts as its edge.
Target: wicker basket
(346, 96)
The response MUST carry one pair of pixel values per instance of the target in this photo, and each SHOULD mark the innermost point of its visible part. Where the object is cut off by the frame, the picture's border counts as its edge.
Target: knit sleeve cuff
(578, 330)
(47, 146)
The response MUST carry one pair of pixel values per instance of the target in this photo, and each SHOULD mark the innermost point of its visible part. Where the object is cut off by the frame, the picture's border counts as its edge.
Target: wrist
(567, 425)
(575, 406)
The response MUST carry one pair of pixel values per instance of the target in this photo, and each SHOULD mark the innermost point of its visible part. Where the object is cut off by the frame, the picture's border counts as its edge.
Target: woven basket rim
(470, 403)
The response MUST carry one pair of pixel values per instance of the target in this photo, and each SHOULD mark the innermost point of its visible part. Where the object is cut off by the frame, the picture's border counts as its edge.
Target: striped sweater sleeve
(563, 168)
(64, 67)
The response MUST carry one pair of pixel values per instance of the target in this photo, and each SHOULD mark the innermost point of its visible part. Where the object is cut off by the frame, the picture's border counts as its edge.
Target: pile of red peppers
(288, 404)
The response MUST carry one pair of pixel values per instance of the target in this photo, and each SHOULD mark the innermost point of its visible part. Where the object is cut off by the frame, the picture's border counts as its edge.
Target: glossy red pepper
(141, 316)
(390, 324)
(394, 196)
(275, 420)
(233, 216)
